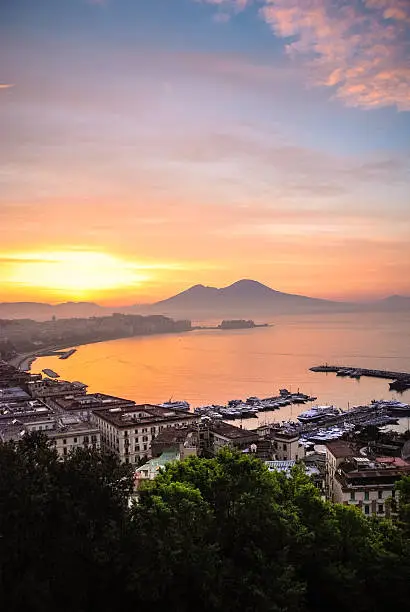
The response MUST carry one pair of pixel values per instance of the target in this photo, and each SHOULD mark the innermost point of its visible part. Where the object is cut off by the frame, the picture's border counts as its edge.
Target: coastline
(24, 361)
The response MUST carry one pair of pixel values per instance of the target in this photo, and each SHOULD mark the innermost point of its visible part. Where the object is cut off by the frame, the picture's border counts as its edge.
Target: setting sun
(75, 273)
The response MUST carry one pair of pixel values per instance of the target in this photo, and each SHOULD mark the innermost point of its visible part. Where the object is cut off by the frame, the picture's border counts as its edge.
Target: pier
(400, 380)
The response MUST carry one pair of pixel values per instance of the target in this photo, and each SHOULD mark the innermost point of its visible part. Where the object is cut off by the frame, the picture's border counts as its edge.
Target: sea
(214, 366)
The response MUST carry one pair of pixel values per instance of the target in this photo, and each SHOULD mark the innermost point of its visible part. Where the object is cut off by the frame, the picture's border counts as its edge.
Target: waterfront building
(46, 388)
(82, 405)
(129, 430)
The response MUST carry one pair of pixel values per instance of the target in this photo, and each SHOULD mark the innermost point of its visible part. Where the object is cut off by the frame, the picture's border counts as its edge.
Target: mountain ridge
(243, 298)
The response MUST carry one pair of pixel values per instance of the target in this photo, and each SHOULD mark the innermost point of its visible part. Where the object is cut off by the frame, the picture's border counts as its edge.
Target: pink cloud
(362, 52)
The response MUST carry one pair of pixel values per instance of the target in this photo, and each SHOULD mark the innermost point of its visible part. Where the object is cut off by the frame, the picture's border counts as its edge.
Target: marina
(240, 409)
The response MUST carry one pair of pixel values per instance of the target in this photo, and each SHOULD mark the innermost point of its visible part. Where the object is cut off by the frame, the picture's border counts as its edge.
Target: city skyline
(152, 145)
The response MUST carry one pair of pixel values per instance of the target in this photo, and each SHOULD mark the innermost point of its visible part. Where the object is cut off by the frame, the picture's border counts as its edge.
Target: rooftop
(13, 393)
(232, 432)
(90, 401)
(128, 416)
(174, 435)
(341, 449)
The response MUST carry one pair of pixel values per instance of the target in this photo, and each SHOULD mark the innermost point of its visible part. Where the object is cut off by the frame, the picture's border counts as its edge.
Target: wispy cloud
(361, 49)
(6, 85)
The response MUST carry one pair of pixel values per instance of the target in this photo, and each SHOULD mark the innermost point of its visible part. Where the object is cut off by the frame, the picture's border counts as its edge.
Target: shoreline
(24, 361)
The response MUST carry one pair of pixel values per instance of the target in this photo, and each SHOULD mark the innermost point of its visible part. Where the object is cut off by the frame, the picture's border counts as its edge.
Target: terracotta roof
(342, 449)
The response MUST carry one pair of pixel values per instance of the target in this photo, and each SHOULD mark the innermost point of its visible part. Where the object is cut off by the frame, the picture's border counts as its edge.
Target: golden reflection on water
(213, 366)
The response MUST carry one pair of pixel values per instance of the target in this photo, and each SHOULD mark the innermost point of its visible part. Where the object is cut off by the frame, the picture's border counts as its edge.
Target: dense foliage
(218, 534)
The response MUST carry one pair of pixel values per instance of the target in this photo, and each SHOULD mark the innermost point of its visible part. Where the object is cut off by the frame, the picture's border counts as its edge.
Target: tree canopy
(220, 534)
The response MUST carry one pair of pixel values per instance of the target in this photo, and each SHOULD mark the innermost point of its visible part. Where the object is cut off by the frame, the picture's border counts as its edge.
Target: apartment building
(336, 452)
(129, 430)
(370, 485)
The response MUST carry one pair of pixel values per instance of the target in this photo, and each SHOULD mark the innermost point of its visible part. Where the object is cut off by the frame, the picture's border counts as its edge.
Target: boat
(182, 405)
(318, 412)
(392, 405)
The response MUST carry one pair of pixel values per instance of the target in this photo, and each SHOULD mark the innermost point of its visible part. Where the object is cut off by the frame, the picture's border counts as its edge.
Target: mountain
(392, 303)
(244, 298)
(39, 311)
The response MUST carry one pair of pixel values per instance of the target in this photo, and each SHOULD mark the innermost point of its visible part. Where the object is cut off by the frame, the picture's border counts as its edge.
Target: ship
(318, 412)
(182, 405)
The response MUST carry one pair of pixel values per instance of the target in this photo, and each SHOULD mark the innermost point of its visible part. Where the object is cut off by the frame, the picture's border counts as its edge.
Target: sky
(149, 145)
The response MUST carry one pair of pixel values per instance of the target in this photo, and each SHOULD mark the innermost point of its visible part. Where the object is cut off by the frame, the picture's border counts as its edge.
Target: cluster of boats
(239, 409)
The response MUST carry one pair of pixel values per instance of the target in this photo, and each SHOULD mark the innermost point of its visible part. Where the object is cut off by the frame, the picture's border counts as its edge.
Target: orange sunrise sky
(149, 146)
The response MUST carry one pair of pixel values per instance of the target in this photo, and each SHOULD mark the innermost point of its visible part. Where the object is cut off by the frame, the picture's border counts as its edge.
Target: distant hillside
(39, 311)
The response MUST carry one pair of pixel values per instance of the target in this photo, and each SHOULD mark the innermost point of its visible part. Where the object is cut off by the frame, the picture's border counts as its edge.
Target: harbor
(317, 425)
(242, 409)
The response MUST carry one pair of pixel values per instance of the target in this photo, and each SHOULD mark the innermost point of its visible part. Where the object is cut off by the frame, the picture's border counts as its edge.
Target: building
(220, 434)
(286, 444)
(47, 388)
(336, 452)
(82, 405)
(70, 433)
(149, 470)
(370, 485)
(129, 430)
(182, 440)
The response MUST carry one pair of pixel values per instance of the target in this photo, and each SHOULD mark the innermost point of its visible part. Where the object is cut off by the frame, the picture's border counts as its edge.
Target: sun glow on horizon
(76, 274)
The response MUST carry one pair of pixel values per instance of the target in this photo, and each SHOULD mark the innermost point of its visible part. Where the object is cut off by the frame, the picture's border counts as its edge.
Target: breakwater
(400, 380)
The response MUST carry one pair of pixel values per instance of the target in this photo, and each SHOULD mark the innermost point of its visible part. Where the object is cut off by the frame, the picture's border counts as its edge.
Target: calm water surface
(213, 366)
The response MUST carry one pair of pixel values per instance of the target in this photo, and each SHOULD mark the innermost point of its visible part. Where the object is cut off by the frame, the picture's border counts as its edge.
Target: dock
(67, 354)
(51, 373)
(400, 380)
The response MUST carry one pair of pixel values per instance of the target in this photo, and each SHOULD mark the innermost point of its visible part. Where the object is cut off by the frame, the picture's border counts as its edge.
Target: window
(64, 441)
(380, 508)
(366, 495)
(127, 460)
(64, 450)
(94, 439)
(137, 448)
(86, 440)
(125, 434)
(296, 457)
(285, 447)
(153, 430)
(285, 457)
(145, 438)
(136, 431)
(145, 447)
(380, 495)
(144, 430)
(352, 495)
(367, 509)
(75, 440)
